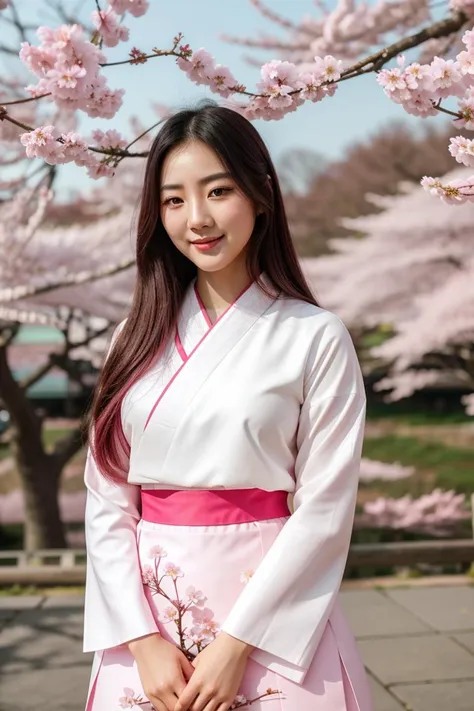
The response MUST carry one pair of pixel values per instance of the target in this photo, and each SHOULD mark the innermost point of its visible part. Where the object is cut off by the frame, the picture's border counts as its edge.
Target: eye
(171, 201)
(219, 192)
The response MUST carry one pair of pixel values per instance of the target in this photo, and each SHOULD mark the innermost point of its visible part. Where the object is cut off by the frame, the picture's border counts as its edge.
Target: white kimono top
(270, 397)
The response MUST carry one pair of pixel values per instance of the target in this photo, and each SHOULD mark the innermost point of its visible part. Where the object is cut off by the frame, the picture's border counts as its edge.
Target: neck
(220, 289)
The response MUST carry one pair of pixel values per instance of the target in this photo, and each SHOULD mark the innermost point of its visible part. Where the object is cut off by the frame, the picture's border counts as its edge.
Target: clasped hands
(218, 672)
(209, 683)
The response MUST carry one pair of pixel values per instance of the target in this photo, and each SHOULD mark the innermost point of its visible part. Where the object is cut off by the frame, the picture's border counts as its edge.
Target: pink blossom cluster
(201, 69)
(462, 148)
(283, 87)
(436, 514)
(371, 470)
(4, 4)
(107, 22)
(108, 25)
(455, 192)
(137, 8)
(47, 143)
(420, 88)
(68, 68)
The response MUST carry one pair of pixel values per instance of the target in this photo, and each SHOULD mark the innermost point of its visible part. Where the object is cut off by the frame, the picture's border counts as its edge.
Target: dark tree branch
(61, 360)
(8, 334)
(376, 61)
(20, 408)
(67, 447)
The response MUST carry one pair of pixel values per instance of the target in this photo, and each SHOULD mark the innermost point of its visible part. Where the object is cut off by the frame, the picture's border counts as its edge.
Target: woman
(226, 389)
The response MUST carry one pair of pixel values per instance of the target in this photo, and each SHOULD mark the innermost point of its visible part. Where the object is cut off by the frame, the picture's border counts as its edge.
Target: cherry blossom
(462, 149)
(68, 68)
(173, 571)
(148, 575)
(137, 8)
(108, 24)
(129, 700)
(371, 470)
(245, 575)
(438, 513)
(41, 143)
(196, 597)
(205, 625)
(157, 552)
(170, 614)
(410, 277)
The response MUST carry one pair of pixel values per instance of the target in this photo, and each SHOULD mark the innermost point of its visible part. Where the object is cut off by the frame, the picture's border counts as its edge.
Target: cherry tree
(411, 274)
(70, 67)
(83, 300)
(46, 278)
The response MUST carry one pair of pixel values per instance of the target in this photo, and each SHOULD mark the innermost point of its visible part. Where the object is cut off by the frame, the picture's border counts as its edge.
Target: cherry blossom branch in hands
(203, 628)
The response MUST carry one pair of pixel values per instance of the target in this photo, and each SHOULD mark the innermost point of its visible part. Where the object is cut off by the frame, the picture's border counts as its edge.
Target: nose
(199, 215)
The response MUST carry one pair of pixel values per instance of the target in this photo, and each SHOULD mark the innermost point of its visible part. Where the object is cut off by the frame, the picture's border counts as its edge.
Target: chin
(212, 264)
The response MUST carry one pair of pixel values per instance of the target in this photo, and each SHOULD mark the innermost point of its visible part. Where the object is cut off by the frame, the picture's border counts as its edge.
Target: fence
(68, 567)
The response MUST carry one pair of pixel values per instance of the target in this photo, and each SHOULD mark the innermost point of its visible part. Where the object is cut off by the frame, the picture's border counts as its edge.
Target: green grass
(417, 417)
(50, 437)
(436, 465)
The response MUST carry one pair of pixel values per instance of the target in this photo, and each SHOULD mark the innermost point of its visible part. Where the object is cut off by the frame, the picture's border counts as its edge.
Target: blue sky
(359, 108)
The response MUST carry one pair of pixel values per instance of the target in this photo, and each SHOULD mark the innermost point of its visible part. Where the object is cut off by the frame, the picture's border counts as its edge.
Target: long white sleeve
(284, 608)
(116, 609)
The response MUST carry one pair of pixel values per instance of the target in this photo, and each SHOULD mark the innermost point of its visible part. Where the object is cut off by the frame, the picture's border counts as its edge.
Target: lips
(207, 240)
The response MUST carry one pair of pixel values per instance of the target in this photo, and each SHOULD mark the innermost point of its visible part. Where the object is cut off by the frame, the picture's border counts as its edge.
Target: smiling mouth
(207, 240)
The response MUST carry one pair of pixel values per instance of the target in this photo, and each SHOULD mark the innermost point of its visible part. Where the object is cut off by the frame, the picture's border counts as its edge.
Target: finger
(157, 704)
(169, 699)
(187, 697)
(187, 668)
(201, 702)
(179, 686)
(213, 705)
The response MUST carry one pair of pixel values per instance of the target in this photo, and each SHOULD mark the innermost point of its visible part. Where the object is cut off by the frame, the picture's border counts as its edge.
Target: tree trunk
(43, 525)
(40, 477)
(39, 471)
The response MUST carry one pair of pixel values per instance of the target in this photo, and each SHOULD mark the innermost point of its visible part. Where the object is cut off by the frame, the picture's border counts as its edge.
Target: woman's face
(204, 212)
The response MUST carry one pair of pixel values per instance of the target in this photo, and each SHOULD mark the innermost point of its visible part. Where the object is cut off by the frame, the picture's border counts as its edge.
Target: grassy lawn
(437, 465)
(417, 417)
(50, 437)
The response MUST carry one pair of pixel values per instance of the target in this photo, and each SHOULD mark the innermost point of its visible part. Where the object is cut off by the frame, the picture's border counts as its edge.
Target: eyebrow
(203, 181)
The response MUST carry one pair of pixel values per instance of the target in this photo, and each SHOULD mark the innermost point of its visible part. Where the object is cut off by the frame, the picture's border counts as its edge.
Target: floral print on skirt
(192, 576)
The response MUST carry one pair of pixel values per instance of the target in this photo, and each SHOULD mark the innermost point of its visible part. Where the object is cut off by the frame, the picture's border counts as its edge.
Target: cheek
(240, 219)
(172, 222)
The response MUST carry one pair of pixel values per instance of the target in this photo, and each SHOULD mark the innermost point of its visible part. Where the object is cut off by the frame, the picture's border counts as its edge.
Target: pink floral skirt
(192, 575)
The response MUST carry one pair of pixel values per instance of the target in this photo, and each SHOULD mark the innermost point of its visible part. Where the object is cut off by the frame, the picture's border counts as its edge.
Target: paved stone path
(417, 644)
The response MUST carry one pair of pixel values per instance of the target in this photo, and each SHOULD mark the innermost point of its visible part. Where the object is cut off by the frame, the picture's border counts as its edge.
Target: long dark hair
(164, 273)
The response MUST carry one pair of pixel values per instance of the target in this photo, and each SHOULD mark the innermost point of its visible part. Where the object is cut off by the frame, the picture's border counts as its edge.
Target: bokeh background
(391, 260)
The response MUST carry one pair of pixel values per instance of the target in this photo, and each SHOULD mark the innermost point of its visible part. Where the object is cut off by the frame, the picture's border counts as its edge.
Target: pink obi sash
(212, 507)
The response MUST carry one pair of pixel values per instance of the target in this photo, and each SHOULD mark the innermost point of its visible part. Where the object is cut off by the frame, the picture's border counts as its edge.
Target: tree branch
(23, 292)
(66, 448)
(19, 407)
(11, 330)
(443, 28)
(61, 360)
(24, 101)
